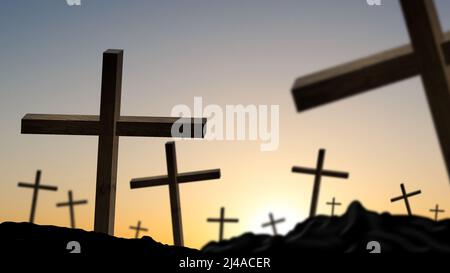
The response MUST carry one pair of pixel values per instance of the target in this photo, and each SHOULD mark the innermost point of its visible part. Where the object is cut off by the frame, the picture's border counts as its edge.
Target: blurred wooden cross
(221, 222)
(318, 172)
(332, 204)
(436, 212)
(273, 223)
(405, 197)
(172, 180)
(138, 229)
(108, 127)
(428, 56)
(36, 187)
(71, 203)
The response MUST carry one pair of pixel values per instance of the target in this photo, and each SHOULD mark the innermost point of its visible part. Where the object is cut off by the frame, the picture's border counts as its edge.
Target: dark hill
(349, 233)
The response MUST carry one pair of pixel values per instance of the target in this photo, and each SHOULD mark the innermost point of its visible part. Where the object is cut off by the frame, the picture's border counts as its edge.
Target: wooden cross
(71, 203)
(405, 196)
(428, 56)
(138, 228)
(272, 222)
(108, 127)
(332, 204)
(318, 173)
(36, 187)
(172, 179)
(436, 212)
(221, 222)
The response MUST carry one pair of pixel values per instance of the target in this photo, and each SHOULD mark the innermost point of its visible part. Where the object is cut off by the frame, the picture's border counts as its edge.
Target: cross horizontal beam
(337, 174)
(81, 202)
(181, 178)
(406, 195)
(41, 187)
(359, 76)
(90, 125)
(230, 220)
(140, 228)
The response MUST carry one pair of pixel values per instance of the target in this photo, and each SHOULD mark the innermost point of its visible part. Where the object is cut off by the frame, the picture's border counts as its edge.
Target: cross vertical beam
(71, 210)
(108, 143)
(317, 178)
(175, 207)
(427, 37)
(37, 181)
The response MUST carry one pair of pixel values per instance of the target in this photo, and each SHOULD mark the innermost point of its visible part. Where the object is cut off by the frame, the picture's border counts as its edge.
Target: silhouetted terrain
(348, 233)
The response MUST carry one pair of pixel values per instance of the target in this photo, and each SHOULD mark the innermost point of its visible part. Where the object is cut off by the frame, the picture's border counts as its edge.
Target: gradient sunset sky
(228, 52)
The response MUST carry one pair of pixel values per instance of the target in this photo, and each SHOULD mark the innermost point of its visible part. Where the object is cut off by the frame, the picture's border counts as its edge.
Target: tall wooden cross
(273, 223)
(138, 229)
(405, 197)
(36, 187)
(436, 212)
(108, 127)
(318, 172)
(332, 204)
(172, 179)
(221, 222)
(71, 203)
(428, 56)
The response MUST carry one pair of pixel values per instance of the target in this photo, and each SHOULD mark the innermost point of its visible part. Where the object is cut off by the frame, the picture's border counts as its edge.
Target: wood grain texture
(359, 76)
(56, 124)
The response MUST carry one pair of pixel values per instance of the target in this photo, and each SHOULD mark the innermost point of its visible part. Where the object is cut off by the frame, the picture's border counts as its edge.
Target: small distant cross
(318, 173)
(138, 228)
(71, 203)
(221, 222)
(272, 222)
(332, 204)
(172, 179)
(36, 187)
(436, 212)
(405, 197)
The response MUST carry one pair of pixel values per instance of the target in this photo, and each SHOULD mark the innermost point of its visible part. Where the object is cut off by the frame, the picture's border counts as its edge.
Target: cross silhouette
(172, 179)
(427, 56)
(36, 187)
(332, 204)
(318, 173)
(138, 228)
(436, 212)
(272, 222)
(405, 197)
(109, 126)
(71, 203)
(221, 222)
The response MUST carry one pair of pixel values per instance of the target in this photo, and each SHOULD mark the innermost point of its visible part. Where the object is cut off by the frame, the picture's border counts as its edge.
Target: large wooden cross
(71, 203)
(428, 56)
(318, 172)
(36, 187)
(108, 127)
(172, 179)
